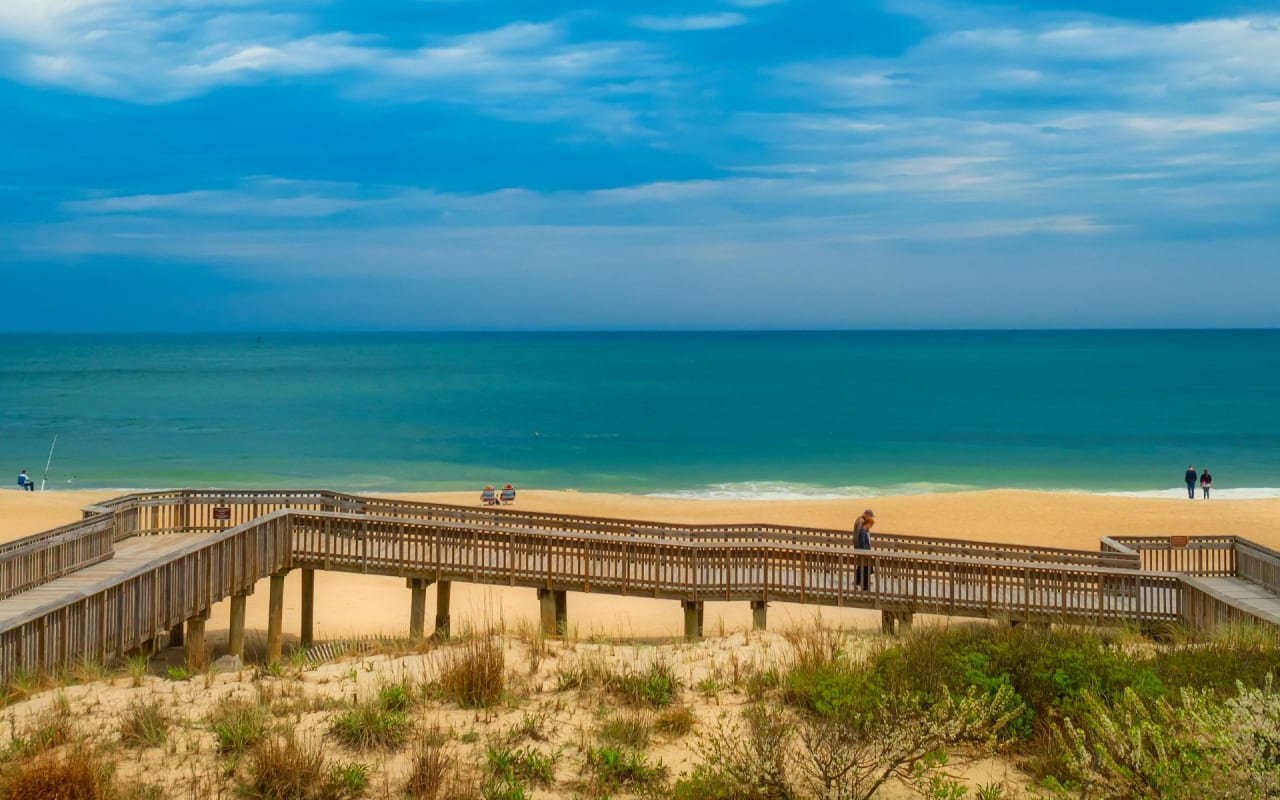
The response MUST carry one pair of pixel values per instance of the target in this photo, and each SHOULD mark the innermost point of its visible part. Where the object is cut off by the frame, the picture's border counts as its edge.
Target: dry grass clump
(74, 773)
(286, 769)
(473, 673)
(435, 774)
(655, 686)
(675, 721)
(144, 724)
(632, 729)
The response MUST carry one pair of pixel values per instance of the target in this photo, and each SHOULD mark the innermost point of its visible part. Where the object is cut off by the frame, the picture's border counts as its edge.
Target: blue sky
(427, 164)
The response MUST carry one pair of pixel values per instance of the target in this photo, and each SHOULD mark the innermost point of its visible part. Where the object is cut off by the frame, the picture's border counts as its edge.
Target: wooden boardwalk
(141, 566)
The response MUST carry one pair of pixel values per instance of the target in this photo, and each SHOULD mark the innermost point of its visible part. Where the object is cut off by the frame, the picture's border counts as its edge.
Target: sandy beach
(352, 605)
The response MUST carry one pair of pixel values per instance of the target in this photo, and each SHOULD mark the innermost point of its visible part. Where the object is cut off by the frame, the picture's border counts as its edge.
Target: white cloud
(173, 49)
(696, 22)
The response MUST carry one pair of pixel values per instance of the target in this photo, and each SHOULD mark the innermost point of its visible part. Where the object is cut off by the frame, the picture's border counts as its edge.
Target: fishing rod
(47, 463)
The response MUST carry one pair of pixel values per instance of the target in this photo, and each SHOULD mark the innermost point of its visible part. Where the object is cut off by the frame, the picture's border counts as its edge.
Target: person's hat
(508, 486)
(869, 513)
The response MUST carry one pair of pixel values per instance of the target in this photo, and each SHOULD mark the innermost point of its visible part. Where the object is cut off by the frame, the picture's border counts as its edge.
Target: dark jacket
(1191, 476)
(861, 536)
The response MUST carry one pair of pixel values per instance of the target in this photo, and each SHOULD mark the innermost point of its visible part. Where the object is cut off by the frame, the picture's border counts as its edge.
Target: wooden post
(547, 611)
(562, 612)
(417, 607)
(442, 609)
(693, 610)
(308, 608)
(275, 617)
(197, 655)
(235, 636)
(759, 615)
(886, 623)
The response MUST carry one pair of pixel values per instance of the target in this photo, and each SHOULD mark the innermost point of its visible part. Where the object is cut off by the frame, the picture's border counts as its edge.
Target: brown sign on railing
(222, 512)
(1177, 541)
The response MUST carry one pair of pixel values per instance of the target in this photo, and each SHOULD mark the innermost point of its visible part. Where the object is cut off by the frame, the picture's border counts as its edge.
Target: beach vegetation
(523, 765)
(674, 721)
(51, 728)
(473, 672)
(136, 667)
(379, 723)
(844, 751)
(23, 685)
(77, 771)
(618, 767)
(144, 723)
(1192, 747)
(534, 725)
(656, 685)
(287, 768)
(238, 724)
(631, 729)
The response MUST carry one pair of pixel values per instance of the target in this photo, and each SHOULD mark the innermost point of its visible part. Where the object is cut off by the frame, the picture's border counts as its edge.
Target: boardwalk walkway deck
(140, 566)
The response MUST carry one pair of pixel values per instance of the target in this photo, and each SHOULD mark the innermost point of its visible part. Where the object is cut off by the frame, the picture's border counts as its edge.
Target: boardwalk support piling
(197, 653)
(896, 623)
(553, 608)
(693, 613)
(275, 617)
(442, 609)
(759, 615)
(235, 635)
(175, 635)
(417, 608)
(308, 608)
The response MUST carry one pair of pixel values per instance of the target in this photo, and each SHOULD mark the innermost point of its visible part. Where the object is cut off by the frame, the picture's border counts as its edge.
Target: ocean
(770, 414)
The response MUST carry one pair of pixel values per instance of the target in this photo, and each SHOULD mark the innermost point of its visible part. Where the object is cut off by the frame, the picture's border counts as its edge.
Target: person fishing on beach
(25, 483)
(862, 541)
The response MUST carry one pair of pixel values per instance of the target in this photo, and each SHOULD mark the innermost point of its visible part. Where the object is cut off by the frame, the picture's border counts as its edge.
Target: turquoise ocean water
(700, 414)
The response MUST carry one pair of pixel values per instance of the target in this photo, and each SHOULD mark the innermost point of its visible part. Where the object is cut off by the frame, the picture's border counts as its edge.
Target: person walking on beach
(1191, 481)
(862, 541)
(25, 483)
(1206, 482)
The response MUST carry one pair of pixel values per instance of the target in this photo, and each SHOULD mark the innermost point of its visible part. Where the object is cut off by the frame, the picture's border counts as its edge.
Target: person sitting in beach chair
(508, 495)
(488, 497)
(27, 485)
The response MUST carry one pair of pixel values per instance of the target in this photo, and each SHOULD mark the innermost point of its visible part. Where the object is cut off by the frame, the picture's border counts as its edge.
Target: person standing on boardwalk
(862, 541)
(1191, 481)
(1206, 482)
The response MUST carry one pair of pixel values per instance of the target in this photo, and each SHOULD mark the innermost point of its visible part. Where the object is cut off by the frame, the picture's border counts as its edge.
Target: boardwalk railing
(29, 562)
(690, 570)
(192, 510)
(1203, 556)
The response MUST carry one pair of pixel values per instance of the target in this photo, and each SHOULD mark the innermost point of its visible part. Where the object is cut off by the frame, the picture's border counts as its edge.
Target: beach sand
(351, 605)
